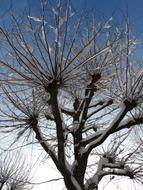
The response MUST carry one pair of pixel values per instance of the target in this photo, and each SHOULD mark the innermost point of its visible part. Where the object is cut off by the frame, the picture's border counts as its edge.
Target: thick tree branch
(116, 168)
(105, 104)
(81, 117)
(91, 184)
(67, 112)
(127, 123)
(100, 103)
(125, 107)
(47, 147)
(52, 88)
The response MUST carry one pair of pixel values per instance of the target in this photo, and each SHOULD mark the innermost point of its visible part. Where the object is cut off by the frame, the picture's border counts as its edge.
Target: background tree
(77, 87)
(14, 173)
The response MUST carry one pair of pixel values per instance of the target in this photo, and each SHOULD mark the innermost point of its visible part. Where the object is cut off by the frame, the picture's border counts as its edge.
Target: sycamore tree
(75, 84)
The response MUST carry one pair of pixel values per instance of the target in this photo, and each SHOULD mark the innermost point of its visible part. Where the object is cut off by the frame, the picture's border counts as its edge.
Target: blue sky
(135, 7)
(104, 7)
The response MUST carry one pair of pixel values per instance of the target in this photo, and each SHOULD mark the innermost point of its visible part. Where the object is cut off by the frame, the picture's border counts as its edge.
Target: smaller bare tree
(14, 173)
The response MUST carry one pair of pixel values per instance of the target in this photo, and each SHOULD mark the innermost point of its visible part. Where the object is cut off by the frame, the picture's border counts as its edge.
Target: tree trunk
(72, 184)
(92, 187)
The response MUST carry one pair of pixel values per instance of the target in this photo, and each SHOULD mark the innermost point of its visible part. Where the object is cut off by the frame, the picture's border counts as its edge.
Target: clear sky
(135, 7)
(106, 7)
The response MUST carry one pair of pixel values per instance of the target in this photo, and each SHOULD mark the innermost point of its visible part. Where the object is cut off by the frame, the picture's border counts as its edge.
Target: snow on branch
(125, 107)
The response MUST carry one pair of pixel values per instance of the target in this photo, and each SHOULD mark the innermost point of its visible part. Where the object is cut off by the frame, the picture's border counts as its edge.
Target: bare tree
(14, 173)
(76, 85)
